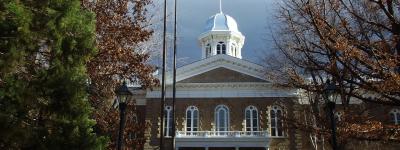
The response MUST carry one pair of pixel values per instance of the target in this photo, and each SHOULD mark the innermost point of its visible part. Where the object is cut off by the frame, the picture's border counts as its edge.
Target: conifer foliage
(44, 47)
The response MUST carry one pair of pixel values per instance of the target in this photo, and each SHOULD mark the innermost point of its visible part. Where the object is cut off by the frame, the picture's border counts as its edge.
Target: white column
(213, 48)
(203, 50)
(239, 51)
(206, 148)
(236, 148)
(228, 47)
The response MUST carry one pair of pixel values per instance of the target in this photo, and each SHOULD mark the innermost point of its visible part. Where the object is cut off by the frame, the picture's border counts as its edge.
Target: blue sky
(255, 19)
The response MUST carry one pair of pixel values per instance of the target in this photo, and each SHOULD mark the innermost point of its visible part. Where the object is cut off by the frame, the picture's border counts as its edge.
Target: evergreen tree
(44, 48)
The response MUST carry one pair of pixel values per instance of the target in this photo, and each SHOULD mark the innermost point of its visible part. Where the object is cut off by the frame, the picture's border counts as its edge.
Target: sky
(256, 20)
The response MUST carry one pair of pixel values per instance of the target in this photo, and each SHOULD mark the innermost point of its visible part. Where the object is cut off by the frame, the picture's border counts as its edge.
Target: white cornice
(220, 90)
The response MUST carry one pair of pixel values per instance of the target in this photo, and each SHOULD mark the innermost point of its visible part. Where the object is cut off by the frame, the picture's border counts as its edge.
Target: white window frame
(192, 110)
(395, 116)
(221, 48)
(274, 126)
(251, 124)
(217, 119)
(167, 121)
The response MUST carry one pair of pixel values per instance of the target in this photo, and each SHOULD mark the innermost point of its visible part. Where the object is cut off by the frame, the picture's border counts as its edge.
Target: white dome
(221, 22)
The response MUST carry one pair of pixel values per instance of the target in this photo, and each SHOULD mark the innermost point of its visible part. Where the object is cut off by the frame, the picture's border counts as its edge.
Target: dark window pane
(165, 113)
(272, 114)
(255, 122)
(273, 132)
(248, 122)
(188, 114)
(195, 124)
(170, 132)
(195, 114)
(189, 123)
(254, 114)
(280, 132)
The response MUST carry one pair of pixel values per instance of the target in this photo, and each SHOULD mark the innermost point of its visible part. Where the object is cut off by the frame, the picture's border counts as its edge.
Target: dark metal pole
(331, 107)
(122, 108)
(174, 82)
(163, 78)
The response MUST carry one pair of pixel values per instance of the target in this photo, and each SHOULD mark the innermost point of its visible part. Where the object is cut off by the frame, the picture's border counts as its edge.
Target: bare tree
(356, 45)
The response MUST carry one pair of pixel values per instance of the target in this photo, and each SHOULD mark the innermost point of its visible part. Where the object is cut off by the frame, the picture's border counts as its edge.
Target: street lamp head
(123, 93)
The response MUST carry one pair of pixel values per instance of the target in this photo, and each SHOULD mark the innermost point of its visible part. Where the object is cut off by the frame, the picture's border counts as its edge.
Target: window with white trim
(192, 118)
(395, 116)
(251, 118)
(168, 121)
(222, 118)
(276, 128)
(221, 48)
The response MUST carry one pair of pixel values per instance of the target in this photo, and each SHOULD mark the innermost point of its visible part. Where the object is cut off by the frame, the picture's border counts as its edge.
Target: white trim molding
(224, 90)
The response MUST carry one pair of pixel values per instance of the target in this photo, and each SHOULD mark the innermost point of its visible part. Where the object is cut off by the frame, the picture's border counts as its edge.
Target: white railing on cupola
(222, 134)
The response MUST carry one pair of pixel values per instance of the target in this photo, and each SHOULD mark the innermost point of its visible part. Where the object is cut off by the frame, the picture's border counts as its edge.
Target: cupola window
(221, 48)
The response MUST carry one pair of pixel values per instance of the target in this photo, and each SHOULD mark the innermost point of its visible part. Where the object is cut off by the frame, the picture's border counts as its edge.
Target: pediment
(219, 68)
(220, 75)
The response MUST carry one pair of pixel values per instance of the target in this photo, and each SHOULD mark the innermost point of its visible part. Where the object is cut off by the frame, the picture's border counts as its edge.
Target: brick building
(223, 101)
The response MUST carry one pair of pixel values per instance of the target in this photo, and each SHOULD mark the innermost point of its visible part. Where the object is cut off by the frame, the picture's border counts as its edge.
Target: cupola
(221, 36)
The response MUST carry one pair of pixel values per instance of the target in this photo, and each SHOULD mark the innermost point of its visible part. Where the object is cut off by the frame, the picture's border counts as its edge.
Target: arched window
(192, 118)
(222, 118)
(251, 117)
(221, 48)
(276, 121)
(208, 50)
(395, 116)
(168, 121)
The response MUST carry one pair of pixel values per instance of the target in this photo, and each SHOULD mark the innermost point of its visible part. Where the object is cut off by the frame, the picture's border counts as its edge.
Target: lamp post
(329, 95)
(123, 94)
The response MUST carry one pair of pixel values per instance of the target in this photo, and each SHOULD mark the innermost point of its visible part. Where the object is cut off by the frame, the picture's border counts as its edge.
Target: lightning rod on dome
(220, 6)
